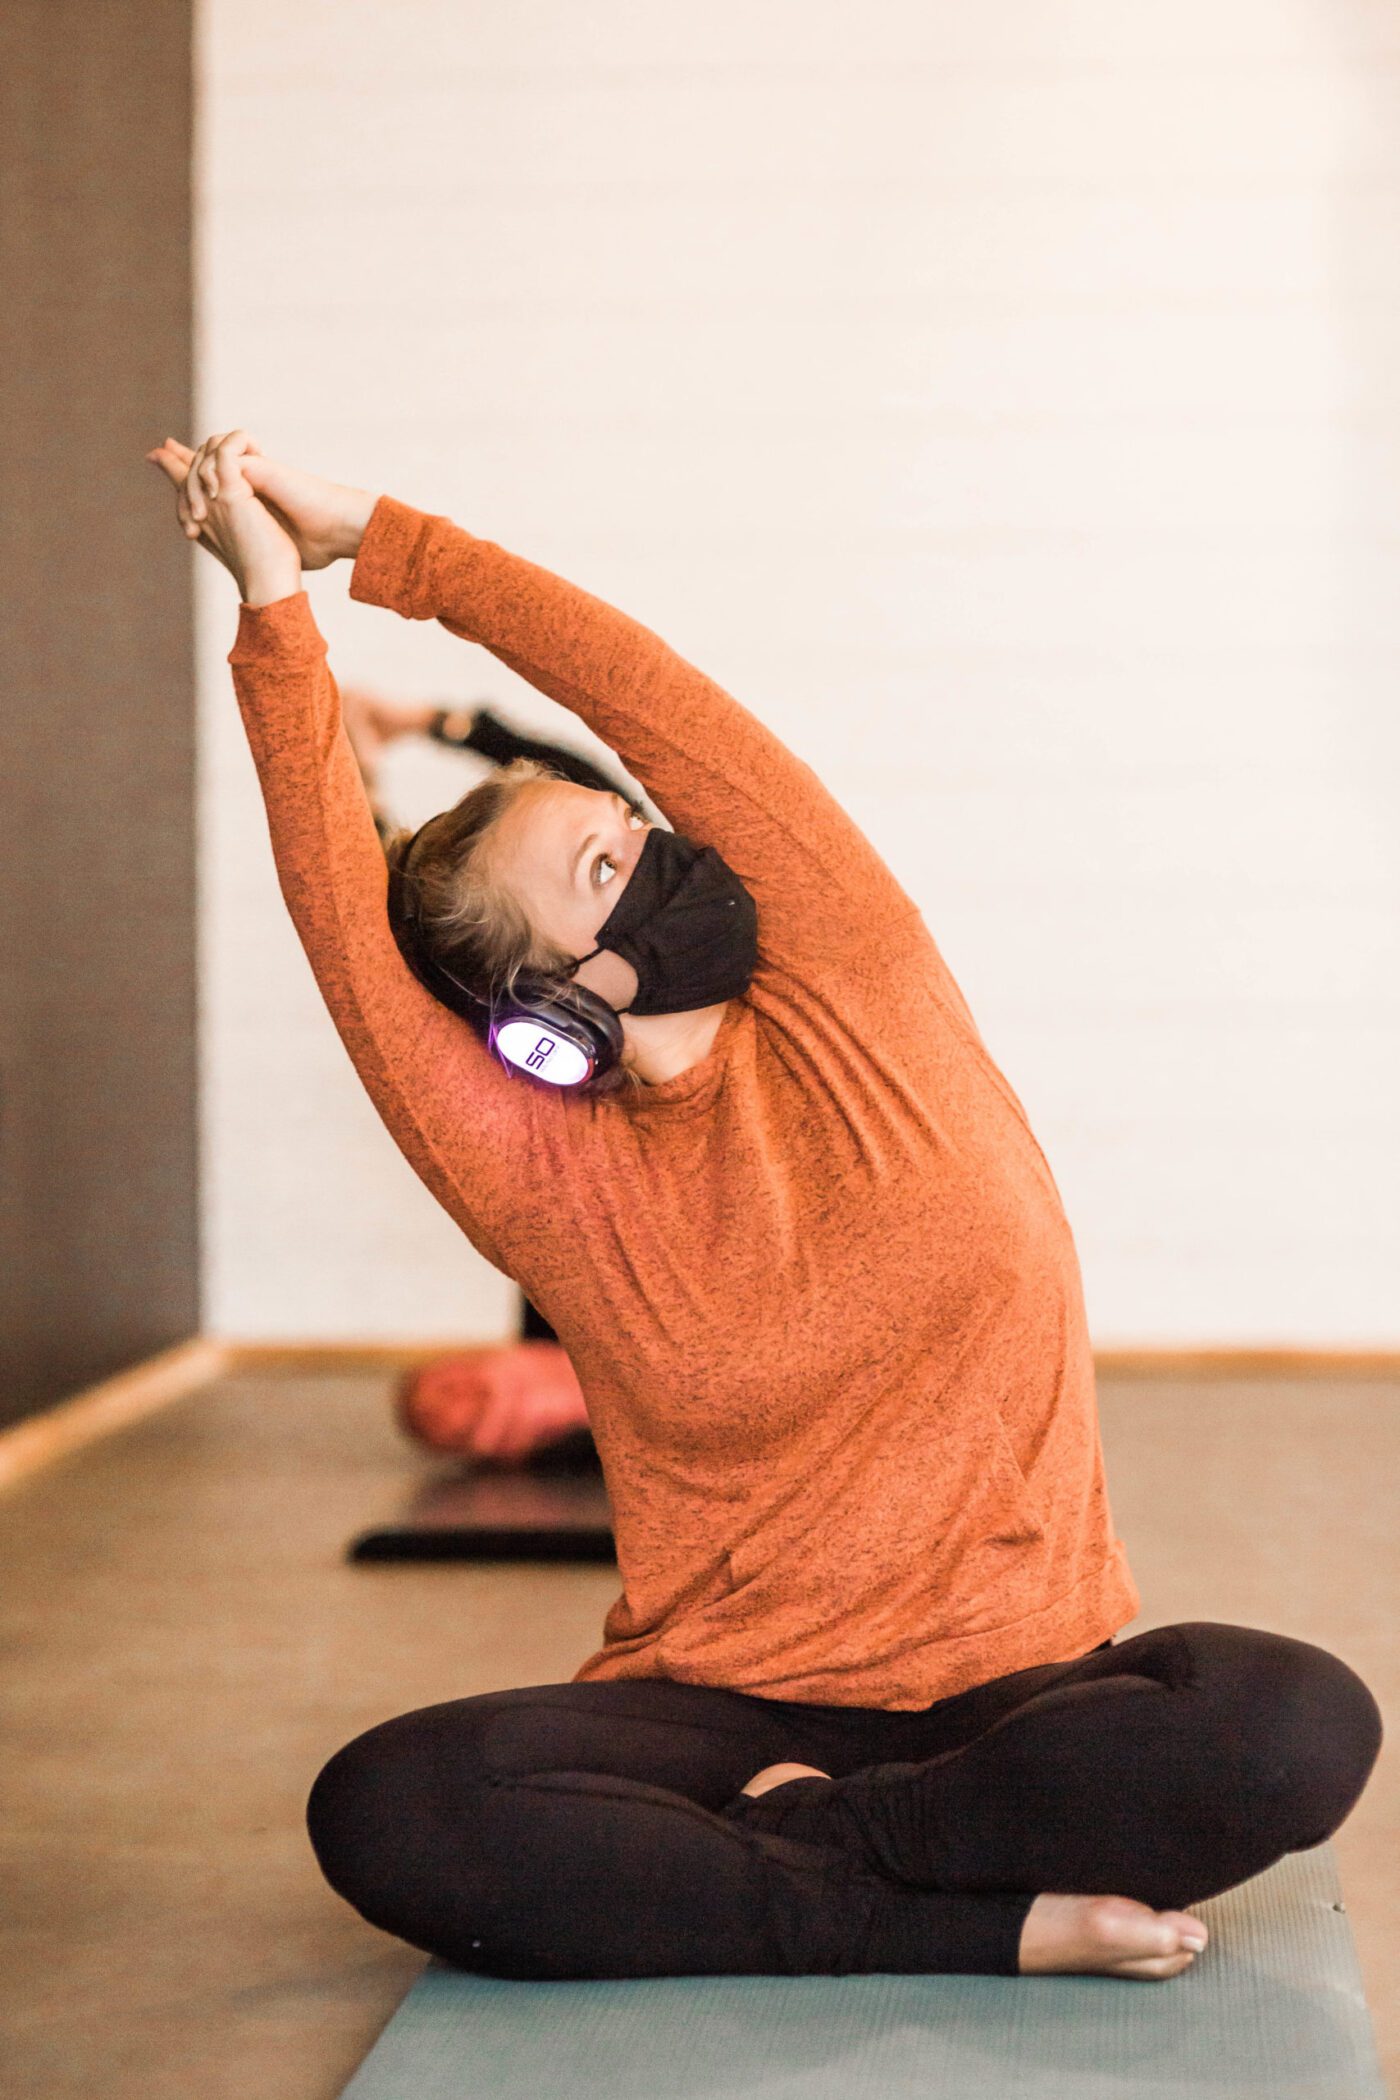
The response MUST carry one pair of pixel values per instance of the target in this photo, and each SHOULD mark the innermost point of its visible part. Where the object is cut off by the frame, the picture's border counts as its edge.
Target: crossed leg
(1261, 1747)
(603, 1830)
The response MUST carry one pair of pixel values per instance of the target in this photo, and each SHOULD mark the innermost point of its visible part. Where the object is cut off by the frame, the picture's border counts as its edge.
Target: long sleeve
(819, 1289)
(827, 904)
(458, 1118)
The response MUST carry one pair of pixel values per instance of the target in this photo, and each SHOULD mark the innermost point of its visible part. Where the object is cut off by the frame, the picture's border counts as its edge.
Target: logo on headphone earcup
(561, 1034)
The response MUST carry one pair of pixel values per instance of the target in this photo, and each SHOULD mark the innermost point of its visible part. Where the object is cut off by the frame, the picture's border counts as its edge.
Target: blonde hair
(449, 908)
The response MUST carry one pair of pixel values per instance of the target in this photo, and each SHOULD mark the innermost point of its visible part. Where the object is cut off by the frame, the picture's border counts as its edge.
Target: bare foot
(497, 1403)
(1107, 1936)
(1069, 1935)
(778, 1775)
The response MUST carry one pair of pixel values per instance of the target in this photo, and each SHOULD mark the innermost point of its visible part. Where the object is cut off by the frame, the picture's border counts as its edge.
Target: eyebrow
(593, 839)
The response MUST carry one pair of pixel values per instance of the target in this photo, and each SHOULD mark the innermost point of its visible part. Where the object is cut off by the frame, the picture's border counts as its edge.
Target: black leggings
(589, 1830)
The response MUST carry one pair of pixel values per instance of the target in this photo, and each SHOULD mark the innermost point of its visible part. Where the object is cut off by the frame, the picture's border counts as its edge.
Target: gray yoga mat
(1274, 2007)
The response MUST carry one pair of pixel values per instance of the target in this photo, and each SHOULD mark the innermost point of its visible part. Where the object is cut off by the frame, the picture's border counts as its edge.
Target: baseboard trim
(350, 1356)
(1121, 1362)
(1247, 1363)
(41, 1440)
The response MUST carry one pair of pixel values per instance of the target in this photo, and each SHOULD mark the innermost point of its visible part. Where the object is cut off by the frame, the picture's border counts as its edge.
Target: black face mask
(686, 924)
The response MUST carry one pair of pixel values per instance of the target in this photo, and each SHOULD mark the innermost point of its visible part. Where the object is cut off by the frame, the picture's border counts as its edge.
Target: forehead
(544, 825)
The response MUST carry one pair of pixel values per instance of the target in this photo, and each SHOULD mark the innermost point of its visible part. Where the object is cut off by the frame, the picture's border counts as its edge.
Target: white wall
(1000, 400)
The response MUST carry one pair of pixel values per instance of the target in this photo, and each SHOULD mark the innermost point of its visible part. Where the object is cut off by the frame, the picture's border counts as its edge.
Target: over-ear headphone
(560, 1033)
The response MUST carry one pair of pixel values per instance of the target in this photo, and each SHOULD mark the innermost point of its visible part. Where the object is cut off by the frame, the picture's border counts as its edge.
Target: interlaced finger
(194, 490)
(237, 445)
(206, 475)
(209, 463)
(221, 456)
(185, 507)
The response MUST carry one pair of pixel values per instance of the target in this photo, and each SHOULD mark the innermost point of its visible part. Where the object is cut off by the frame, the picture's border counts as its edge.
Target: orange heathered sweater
(819, 1290)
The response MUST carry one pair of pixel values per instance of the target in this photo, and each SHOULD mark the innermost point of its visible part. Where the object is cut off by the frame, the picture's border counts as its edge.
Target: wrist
(359, 508)
(265, 585)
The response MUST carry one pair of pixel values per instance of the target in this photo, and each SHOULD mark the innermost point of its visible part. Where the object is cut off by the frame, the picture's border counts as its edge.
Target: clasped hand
(265, 521)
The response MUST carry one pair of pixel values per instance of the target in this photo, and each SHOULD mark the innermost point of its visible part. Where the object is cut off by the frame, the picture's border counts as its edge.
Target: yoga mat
(1273, 2008)
(552, 1507)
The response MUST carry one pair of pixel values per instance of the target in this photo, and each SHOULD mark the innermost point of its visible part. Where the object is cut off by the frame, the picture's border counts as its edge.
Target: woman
(859, 1705)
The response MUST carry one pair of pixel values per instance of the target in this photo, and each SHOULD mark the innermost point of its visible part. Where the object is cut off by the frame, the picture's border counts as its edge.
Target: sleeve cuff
(389, 568)
(278, 633)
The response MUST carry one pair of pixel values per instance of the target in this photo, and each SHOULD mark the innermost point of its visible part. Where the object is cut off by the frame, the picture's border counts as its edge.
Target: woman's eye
(635, 819)
(604, 860)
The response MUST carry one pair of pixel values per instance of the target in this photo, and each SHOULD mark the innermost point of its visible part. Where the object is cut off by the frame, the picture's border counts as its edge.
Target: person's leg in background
(534, 1327)
(1166, 1768)
(505, 1403)
(567, 1431)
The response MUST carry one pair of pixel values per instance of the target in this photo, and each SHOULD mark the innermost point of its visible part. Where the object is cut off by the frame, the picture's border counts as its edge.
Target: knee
(351, 1821)
(1300, 1731)
(1333, 1736)
(385, 1820)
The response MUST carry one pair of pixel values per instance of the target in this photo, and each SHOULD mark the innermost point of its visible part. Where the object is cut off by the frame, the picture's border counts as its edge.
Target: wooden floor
(184, 1646)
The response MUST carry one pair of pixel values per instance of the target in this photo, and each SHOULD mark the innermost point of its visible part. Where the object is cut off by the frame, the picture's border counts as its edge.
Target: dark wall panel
(98, 1133)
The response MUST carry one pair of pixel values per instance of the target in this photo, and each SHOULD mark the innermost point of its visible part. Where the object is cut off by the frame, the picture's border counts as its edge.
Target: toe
(1157, 1969)
(1133, 1931)
(1191, 1932)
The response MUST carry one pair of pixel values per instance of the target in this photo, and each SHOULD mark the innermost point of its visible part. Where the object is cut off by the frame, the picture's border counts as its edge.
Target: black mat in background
(552, 1507)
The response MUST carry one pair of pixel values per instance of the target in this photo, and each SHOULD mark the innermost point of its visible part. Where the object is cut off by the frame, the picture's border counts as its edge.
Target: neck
(655, 1046)
(662, 1046)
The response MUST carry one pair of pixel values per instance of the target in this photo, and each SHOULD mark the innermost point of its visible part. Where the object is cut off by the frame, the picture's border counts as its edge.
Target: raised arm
(456, 1115)
(830, 910)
